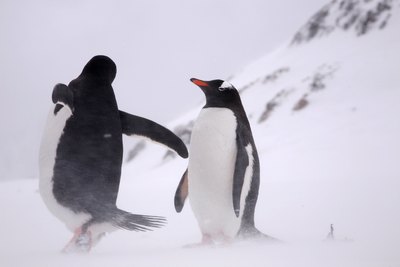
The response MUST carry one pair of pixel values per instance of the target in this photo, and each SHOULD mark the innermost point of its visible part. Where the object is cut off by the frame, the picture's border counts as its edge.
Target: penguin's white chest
(211, 167)
(47, 155)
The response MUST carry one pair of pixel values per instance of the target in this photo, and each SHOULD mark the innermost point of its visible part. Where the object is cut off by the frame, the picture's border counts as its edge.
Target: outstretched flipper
(242, 161)
(181, 192)
(135, 125)
(62, 96)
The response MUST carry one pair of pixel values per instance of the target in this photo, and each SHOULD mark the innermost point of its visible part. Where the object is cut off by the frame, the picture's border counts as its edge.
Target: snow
(40, 243)
(333, 161)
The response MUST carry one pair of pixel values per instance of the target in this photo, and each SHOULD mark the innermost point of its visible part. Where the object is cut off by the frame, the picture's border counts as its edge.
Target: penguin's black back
(89, 155)
(243, 128)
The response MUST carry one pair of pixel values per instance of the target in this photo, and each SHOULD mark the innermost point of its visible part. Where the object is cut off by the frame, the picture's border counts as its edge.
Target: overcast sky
(157, 46)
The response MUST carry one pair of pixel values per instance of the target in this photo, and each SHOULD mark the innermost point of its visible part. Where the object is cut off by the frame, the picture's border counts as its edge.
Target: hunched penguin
(223, 176)
(81, 155)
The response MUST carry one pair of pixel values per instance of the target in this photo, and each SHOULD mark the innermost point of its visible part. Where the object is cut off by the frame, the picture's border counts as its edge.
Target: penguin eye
(224, 86)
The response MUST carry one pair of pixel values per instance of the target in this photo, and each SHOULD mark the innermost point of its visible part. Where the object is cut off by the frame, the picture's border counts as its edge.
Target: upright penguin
(81, 156)
(223, 176)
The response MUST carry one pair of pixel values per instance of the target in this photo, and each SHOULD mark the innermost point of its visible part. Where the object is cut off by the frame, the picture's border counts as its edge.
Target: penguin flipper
(242, 161)
(181, 192)
(135, 125)
(62, 96)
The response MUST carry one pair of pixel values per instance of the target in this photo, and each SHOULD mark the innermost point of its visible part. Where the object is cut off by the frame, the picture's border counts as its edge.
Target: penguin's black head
(218, 93)
(100, 67)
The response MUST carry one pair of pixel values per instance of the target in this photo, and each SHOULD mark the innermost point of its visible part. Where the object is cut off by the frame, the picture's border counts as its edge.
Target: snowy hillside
(325, 118)
(324, 112)
(357, 16)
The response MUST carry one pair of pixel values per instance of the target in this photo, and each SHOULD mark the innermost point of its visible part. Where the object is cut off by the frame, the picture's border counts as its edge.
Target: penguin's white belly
(53, 131)
(211, 167)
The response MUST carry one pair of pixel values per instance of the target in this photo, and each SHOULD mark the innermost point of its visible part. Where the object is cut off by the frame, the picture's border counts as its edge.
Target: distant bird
(81, 156)
(330, 235)
(223, 176)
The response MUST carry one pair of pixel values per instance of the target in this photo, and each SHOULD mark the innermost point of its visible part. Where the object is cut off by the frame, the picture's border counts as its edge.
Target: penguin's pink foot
(206, 241)
(224, 240)
(80, 242)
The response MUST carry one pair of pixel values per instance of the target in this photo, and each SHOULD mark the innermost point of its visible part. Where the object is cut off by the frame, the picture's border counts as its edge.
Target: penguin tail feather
(137, 222)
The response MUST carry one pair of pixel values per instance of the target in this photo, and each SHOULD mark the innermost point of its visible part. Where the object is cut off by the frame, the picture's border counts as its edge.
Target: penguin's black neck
(231, 102)
(228, 101)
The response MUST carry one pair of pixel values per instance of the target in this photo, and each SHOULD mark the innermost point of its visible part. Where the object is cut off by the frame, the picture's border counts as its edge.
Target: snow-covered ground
(31, 237)
(325, 117)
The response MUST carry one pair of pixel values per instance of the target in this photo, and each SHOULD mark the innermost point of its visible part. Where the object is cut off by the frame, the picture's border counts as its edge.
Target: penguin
(223, 175)
(81, 156)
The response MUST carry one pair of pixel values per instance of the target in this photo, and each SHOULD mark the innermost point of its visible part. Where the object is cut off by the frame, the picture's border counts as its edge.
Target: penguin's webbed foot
(210, 241)
(84, 241)
(205, 242)
(81, 242)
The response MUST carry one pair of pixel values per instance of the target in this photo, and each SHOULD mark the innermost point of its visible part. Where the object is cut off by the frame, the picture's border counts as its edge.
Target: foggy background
(157, 46)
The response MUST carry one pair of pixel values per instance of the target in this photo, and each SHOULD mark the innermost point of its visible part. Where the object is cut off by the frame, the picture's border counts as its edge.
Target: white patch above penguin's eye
(225, 85)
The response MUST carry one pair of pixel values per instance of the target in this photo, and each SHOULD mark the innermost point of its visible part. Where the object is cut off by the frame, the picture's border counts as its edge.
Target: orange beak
(199, 82)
